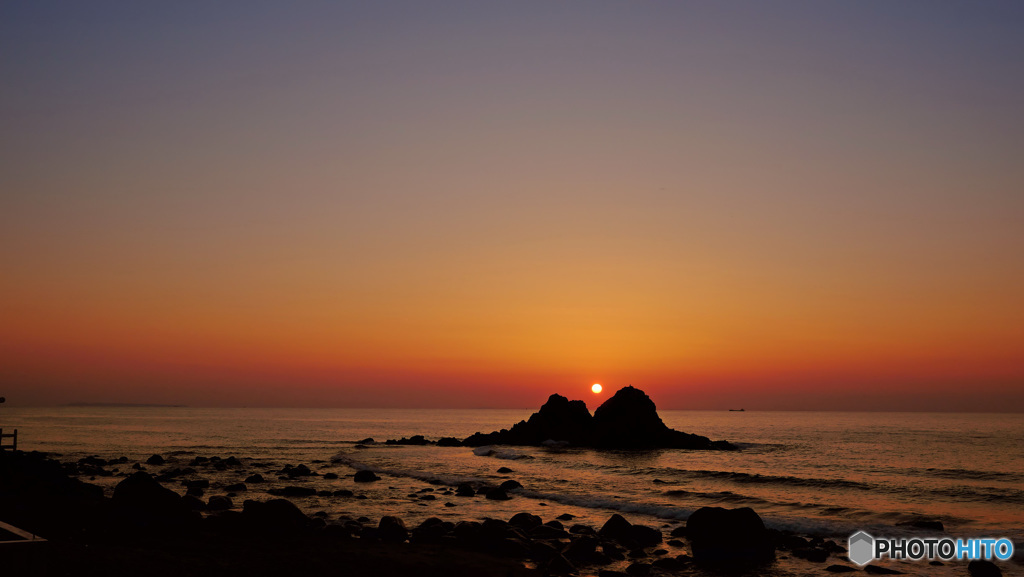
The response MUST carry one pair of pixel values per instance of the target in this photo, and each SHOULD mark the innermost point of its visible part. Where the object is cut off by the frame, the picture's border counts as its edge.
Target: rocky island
(628, 420)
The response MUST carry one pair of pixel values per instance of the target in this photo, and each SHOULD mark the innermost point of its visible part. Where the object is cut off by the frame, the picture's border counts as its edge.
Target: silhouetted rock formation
(628, 420)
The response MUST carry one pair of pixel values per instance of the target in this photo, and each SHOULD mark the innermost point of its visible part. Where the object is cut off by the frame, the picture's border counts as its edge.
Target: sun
(596, 388)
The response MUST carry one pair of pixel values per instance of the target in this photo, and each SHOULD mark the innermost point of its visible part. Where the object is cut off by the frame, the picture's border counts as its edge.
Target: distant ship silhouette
(737, 410)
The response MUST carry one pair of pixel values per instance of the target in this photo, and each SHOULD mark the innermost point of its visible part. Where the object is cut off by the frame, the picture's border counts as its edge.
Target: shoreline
(200, 534)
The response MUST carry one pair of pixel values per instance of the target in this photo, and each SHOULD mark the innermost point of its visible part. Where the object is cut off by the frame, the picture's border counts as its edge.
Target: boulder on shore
(141, 502)
(628, 420)
(719, 535)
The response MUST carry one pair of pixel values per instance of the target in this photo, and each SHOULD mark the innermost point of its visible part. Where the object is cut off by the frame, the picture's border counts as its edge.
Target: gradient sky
(799, 205)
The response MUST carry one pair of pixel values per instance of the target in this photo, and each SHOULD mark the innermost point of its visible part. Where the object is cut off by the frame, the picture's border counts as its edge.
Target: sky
(775, 206)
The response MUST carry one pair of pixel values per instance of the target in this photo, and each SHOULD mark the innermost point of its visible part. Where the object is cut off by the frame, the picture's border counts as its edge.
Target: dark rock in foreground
(722, 536)
(628, 420)
(981, 568)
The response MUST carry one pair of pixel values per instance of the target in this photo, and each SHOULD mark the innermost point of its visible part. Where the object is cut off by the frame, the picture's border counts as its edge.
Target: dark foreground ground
(147, 529)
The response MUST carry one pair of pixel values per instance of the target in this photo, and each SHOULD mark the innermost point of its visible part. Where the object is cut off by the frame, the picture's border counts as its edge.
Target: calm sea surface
(825, 473)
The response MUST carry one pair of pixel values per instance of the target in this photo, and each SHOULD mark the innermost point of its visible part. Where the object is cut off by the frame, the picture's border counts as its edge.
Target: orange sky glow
(352, 206)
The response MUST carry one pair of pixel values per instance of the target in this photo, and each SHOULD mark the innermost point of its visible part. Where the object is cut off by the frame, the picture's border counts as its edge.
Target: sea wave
(757, 478)
(968, 474)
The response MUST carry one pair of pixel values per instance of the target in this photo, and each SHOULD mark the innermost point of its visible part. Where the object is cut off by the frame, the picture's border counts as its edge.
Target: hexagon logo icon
(861, 547)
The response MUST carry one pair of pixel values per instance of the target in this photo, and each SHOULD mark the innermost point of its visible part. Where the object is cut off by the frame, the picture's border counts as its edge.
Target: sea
(815, 473)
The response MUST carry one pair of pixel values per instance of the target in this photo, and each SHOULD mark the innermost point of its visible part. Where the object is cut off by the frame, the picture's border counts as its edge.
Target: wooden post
(12, 436)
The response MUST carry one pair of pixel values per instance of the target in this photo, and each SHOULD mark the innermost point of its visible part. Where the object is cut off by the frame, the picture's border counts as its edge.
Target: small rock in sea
(449, 442)
(659, 482)
(840, 569)
(320, 514)
(416, 440)
(504, 470)
(236, 488)
(255, 478)
(449, 504)
(297, 471)
(197, 484)
(155, 460)
(465, 490)
(324, 493)
(365, 476)
(367, 441)
(498, 495)
(137, 467)
(197, 491)
(342, 493)
(565, 517)
(525, 521)
(936, 563)
(616, 528)
(510, 485)
(674, 543)
(361, 497)
(330, 475)
(428, 498)
(984, 569)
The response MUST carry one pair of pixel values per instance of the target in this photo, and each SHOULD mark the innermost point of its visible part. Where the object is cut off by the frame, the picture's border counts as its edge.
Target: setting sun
(596, 388)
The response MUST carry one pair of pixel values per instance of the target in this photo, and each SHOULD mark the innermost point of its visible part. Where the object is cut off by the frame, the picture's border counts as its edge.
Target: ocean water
(827, 473)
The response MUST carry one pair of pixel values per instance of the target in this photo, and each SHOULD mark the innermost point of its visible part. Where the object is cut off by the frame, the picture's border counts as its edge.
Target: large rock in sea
(628, 420)
(724, 536)
(558, 419)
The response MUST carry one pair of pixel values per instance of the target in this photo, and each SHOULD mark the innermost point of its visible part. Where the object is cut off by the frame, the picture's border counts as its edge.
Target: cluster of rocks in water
(628, 420)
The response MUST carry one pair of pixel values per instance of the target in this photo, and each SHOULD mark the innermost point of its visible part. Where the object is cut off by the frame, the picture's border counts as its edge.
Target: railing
(14, 438)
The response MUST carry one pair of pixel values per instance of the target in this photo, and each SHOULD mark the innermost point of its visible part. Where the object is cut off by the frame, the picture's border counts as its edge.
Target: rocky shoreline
(145, 526)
